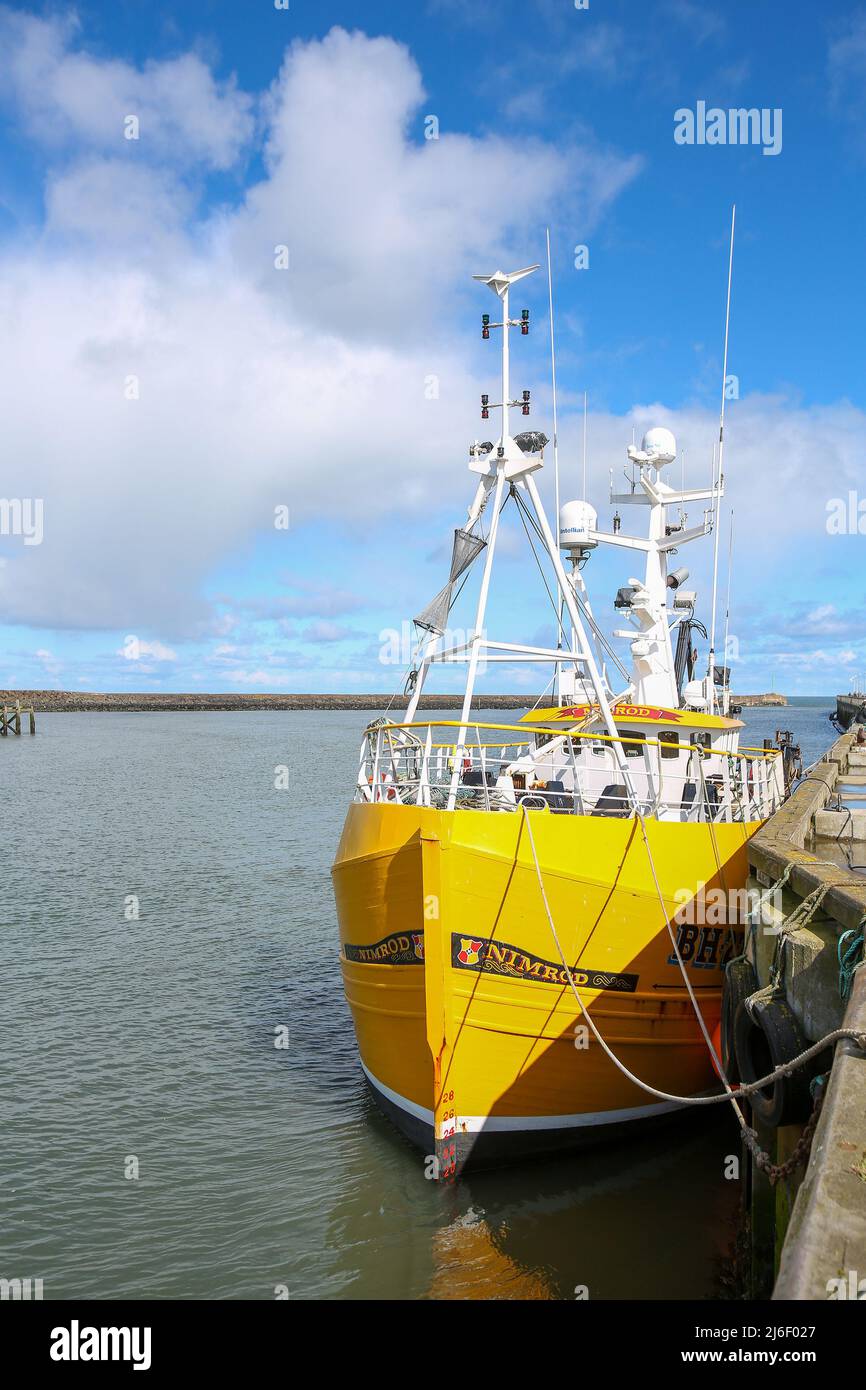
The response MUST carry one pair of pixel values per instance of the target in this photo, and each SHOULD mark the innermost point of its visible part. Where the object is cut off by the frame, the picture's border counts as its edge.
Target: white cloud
(135, 649)
(378, 220)
(52, 664)
(64, 95)
(846, 55)
(327, 631)
(699, 18)
(256, 387)
(165, 387)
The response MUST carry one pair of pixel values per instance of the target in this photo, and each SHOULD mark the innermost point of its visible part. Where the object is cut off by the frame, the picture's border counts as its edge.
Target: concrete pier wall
(848, 707)
(809, 1233)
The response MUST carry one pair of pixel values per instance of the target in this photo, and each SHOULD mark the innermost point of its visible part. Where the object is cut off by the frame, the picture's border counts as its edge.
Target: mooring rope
(848, 963)
(756, 914)
(729, 1094)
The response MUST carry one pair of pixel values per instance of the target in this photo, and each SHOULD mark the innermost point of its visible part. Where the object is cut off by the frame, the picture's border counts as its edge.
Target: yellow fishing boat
(525, 942)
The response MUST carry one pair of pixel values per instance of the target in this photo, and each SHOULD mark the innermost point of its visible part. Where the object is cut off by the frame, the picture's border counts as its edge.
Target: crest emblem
(469, 949)
(418, 943)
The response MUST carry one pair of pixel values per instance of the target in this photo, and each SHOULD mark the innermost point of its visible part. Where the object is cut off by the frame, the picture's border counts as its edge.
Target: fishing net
(435, 616)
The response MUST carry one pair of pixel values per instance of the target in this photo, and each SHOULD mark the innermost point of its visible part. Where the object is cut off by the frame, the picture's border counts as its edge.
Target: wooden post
(11, 715)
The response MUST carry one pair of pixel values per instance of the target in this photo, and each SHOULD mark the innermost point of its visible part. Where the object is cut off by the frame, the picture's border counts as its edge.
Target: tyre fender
(739, 982)
(766, 1035)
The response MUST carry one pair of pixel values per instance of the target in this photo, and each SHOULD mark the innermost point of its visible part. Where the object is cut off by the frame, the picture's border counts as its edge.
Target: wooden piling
(11, 715)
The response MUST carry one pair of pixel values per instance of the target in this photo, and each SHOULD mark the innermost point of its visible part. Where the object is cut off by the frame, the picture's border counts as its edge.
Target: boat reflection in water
(654, 1220)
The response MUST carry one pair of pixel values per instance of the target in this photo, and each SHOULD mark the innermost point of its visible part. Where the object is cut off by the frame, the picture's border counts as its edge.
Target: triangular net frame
(465, 549)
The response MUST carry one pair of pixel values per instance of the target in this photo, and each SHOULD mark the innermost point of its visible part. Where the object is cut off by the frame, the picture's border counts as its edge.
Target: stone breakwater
(77, 701)
(81, 701)
(753, 701)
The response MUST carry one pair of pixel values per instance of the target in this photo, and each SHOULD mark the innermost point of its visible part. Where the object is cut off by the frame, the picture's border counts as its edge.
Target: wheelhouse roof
(624, 713)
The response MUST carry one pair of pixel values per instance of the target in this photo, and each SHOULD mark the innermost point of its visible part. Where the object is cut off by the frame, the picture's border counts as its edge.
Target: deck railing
(565, 772)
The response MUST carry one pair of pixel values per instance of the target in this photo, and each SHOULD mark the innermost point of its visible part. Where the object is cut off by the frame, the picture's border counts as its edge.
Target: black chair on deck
(558, 799)
(474, 777)
(613, 800)
(714, 796)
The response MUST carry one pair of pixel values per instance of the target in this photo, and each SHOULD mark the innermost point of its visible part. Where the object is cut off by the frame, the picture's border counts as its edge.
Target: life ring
(766, 1035)
(388, 788)
(738, 983)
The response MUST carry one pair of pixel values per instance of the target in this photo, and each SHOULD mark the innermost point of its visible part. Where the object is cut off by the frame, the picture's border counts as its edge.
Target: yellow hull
(467, 1027)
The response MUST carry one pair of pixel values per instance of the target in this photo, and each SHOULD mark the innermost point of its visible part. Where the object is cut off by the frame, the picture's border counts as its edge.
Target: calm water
(150, 1043)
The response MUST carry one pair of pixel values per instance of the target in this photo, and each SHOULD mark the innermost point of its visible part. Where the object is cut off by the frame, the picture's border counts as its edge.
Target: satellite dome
(660, 445)
(576, 521)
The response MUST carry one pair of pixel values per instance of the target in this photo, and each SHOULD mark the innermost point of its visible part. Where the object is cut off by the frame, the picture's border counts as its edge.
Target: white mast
(505, 464)
(654, 677)
(557, 683)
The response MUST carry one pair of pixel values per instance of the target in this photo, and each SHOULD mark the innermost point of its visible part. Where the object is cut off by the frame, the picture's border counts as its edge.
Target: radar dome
(576, 520)
(660, 445)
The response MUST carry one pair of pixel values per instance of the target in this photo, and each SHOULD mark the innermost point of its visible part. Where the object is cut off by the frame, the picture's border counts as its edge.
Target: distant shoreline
(80, 702)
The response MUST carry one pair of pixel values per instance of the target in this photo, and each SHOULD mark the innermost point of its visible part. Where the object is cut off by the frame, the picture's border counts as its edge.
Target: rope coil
(848, 962)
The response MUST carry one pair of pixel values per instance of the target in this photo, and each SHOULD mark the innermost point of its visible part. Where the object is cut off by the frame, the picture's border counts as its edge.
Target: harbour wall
(850, 708)
(808, 1230)
(82, 701)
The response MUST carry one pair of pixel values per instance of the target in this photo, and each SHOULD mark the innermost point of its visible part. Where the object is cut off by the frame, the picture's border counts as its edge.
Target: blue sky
(165, 387)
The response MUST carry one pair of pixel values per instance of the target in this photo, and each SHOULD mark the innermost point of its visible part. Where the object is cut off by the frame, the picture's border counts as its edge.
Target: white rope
(729, 1094)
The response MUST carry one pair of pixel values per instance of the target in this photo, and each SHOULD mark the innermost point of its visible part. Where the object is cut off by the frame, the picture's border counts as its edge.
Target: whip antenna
(719, 481)
(584, 446)
(553, 385)
(728, 610)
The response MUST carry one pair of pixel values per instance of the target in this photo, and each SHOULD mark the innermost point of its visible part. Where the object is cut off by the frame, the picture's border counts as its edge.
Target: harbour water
(156, 1140)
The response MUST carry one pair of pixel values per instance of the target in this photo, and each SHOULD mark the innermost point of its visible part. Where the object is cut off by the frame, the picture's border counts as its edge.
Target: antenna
(718, 483)
(553, 385)
(728, 598)
(500, 284)
(584, 446)
(555, 459)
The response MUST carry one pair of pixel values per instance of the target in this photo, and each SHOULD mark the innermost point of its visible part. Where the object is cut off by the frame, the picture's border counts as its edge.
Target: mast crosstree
(507, 465)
